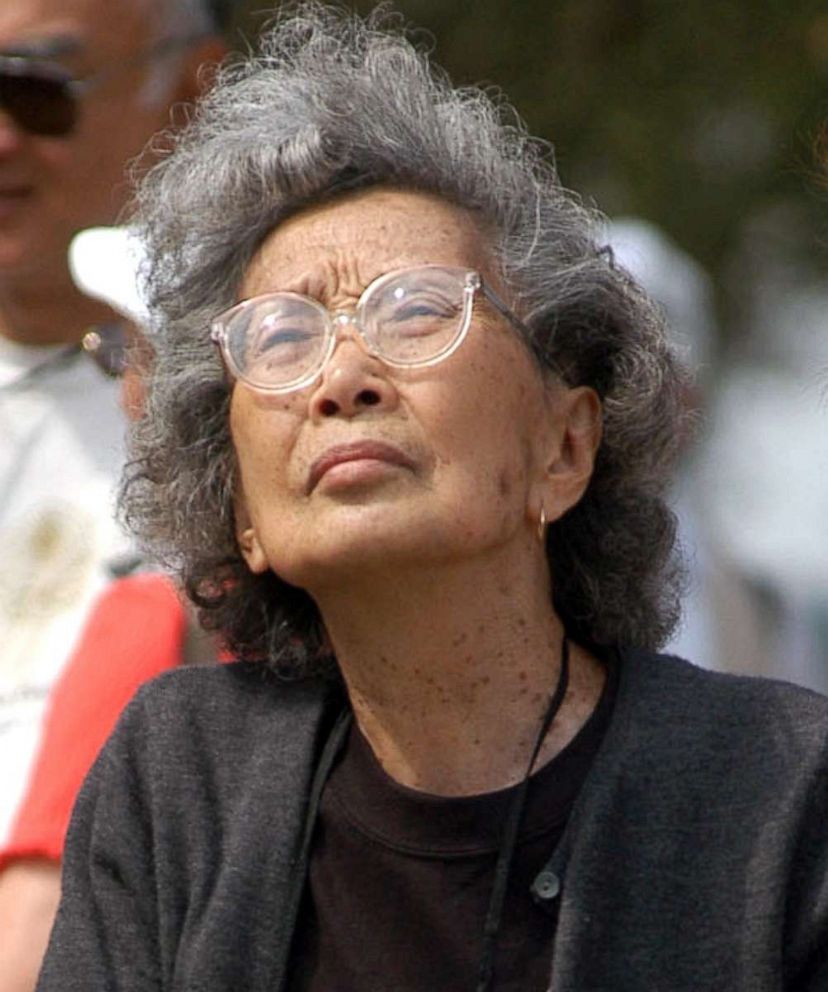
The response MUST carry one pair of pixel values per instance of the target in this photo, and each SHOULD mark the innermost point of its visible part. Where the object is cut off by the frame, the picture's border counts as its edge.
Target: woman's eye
(415, 310)
(418, 314)
(281, 339)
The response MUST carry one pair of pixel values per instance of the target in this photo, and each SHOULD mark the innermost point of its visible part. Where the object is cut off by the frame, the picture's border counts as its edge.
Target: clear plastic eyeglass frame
(235, 319)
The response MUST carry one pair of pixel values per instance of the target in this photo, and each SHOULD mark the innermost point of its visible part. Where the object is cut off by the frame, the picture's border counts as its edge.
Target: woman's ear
(571, 458)
(247, 539)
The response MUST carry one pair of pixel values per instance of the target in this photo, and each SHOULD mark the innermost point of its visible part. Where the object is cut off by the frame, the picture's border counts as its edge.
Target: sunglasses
(42, 97)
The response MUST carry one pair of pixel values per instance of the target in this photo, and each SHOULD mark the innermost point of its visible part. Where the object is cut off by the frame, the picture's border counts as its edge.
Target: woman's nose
(352, 381)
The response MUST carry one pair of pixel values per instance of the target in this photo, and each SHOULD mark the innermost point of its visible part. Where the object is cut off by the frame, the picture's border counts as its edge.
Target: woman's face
(373, 466)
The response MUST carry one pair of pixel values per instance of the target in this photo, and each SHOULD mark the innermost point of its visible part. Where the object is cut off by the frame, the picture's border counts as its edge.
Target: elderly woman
(406, 443)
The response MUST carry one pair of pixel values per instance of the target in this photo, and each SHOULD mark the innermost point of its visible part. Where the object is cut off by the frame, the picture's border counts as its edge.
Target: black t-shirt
(399, 881)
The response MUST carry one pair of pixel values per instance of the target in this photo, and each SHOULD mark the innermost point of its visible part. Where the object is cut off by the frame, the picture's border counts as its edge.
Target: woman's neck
(449, 671)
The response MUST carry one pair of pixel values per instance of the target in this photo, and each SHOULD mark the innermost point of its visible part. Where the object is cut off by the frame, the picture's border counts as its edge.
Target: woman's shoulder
(223, 710)
(668, 677)
(670, 700)
(239, 685)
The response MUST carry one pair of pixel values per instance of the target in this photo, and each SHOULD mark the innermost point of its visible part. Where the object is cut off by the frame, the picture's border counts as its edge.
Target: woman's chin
(351, 540)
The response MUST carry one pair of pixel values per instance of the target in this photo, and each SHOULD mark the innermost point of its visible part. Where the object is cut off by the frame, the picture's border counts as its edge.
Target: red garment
(135, 631)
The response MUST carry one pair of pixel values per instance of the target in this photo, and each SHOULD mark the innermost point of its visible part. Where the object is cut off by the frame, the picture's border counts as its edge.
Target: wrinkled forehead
(342, 245)
(66, 29)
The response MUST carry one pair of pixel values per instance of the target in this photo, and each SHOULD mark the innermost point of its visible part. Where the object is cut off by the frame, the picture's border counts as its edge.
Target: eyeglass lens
(39, 104)
(409, 318)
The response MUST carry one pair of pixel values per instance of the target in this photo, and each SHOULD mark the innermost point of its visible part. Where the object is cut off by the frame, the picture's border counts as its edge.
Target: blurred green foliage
(702, 117)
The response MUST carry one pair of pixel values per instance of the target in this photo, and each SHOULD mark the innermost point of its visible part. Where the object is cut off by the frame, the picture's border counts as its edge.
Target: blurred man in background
(83, 85)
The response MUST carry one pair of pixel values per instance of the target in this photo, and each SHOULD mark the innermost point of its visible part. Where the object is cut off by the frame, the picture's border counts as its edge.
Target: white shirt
(61, 452)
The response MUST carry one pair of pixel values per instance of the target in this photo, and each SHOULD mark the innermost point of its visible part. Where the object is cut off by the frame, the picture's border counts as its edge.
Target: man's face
(51, 187)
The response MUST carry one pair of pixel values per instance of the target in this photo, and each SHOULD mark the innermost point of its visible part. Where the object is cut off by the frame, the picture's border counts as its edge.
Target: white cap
(106, 263)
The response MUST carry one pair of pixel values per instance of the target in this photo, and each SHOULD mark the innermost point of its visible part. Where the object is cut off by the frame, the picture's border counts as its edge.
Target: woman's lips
(357, 451)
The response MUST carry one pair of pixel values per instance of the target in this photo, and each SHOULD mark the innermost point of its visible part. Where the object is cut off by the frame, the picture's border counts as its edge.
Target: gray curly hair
(330, 103)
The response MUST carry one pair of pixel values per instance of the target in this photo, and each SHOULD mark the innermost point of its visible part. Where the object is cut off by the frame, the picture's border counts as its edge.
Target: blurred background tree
(698, 116)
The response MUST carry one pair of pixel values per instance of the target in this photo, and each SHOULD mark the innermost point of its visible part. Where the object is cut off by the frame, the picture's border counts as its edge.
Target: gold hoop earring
(542, 525)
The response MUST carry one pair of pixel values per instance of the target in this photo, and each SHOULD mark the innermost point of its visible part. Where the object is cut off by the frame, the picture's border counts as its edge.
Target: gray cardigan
(696, 858)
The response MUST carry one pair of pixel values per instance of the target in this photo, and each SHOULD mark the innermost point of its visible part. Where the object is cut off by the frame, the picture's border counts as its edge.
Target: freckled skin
(433, 587)
(473, 424)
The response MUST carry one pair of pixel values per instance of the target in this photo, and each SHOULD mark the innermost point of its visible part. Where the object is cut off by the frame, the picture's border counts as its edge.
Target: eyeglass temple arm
(505, 310)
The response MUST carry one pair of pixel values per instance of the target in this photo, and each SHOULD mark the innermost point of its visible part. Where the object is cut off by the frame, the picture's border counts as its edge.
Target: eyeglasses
(42, 96)
(107, 346)
(409, 318)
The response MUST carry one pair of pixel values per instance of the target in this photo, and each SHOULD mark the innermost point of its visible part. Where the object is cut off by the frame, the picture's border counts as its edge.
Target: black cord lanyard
(510, 833)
